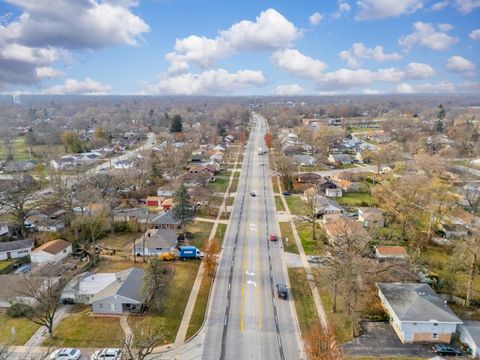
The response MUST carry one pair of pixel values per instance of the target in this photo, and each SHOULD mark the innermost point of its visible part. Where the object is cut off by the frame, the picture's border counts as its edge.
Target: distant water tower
(16, 99)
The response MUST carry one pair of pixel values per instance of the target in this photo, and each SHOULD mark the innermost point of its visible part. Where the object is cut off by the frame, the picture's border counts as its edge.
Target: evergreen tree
(440, 116)
(176, 125)
(182, 209)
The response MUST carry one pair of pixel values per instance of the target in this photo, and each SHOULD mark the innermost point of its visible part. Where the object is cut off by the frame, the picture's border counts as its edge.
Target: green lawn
(312, 168)
(218, 185)
(5, 266)
(20, 150)
(286, 233)
(201, 232)
(24, 329)
(200, 308)
(118, 241)
(176, 298)
(279, 203)
(296, 205)
(346, 166)
(81, 330)
(302, 295)
(311, 247)
(356, 199)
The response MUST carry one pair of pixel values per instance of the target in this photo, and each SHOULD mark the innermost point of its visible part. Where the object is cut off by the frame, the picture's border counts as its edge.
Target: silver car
(65, 354)
(107, 354)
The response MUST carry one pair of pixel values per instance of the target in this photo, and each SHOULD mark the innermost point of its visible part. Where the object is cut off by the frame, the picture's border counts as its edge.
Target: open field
(296, 205)
(200, 231)
(356, 199)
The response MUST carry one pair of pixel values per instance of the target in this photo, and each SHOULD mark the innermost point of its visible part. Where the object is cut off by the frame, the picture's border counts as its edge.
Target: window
(414, 324)
(434, 336)
(64, 251)
(100, 306)
(435, 324)
(111, 307)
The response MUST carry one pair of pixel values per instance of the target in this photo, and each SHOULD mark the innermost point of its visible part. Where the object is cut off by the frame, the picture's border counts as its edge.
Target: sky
(242, 47)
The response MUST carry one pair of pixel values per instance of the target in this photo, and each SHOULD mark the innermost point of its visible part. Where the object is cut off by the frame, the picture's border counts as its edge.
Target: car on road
(282, 291)
(65, 354)
(107, 354)
(286, 193)
(442, 349)
(253, 194)
(273, 237)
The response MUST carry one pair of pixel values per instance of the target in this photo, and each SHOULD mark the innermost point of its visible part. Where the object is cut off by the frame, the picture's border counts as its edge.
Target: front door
(9, 255)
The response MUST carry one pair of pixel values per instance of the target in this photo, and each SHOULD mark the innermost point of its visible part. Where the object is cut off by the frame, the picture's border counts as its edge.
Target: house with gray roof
(417, 313)
(122, 296)
(15, 249)
(339, 159)
(155, 242)
(165, 221)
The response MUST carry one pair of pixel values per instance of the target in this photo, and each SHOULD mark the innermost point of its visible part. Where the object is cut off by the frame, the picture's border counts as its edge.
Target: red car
(273, 237)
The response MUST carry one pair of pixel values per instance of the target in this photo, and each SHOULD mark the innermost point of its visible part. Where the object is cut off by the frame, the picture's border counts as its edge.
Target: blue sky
(239, 47)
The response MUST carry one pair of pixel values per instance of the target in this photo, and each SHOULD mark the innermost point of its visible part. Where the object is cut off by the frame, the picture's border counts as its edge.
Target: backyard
(296, 205)
(356, 199)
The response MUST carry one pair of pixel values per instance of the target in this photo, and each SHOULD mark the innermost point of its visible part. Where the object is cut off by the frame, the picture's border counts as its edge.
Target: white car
(107, 354)
(65, 354)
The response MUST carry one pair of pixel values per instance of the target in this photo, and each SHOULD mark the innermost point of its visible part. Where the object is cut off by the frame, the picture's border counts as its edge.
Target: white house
(84, 286)
(371, 217)
(390, 252)
(417, 313)
(15, 249)
(123, 165)
(155, 241)
(470, 335)
(51, 252)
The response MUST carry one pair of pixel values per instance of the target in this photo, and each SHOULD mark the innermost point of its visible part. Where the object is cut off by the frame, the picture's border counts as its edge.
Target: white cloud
(46, 29)
(467, 6)
(475, 34)
(85, 87)
(270, 31)
(298, 64)
(389, 75)
(290, 89)
(418, 71)
(344, 7)
(441, 87)
(48, 72)
(380, 9)
(445, 27)
(459, 64)
(440, 5)
(426, 35)
(470, 86)
(315, 18)
(210, 82)
(346, 78)
(369, 91)
(358, 51)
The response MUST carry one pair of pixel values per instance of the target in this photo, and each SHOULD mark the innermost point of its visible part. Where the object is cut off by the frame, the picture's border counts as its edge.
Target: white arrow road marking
(249, 273)
(251, 282)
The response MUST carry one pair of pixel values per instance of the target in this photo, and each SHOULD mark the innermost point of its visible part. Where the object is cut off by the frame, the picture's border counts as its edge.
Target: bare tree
(321, 344)
(93, 227)
(472, 197)
(211, 248)
(286, 169)
(469, 251)
(311, 198)
(7, 136)
(141, 345)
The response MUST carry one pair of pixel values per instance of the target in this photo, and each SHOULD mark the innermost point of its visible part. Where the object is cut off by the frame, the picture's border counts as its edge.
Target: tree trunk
(334, 296)
(471, 278)
(313, 227)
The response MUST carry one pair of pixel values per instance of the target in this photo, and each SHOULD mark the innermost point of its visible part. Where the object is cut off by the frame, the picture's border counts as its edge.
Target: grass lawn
(5, 266)
(286, 233)
(312, 168)
(221, 229)
(302, 295)
(233, 187)
(229, 201)
(279, 203)
(201, 232)
(218, 185)
(356, 199)
(346, 166)
(311, 247)
(176, 298)
(24, 329)
(200, 308)
(81, 330)
(119, 241)
(296, 205)
(115, 263)
(20, 150)
(275, 185)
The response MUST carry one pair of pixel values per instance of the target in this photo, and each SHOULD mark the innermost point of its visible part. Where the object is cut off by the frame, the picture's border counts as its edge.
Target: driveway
(380, 340)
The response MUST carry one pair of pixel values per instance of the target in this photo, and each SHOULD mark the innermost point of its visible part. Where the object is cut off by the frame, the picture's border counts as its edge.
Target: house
(167, 204)
(128, 214)
(155, 242)
(339, 159)
(122, 296)
(123, 164)
(50, 225)
(469, 333)
(15, 249)
(162, 221)
(346, 185)
(417, 313)
(165, 193)
(371, 217)
(325, 206)
(64, 162)
(304, 160)
(454, 231)
(83, 287)
(52, 251)
(390, 252)
(339, 228)
(154, 201)
(6, 229)
(20, 166)
(308, 178)
(11, 286)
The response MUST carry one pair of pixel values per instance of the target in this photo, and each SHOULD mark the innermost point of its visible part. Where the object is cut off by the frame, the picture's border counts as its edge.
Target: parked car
(442, 349)
(282, 291)
(107, 354)
(273, 237)
(65, 354)
(253, 194)
(286, 193)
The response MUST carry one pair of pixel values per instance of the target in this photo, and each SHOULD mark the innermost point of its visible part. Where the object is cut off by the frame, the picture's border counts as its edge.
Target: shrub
(17, 310)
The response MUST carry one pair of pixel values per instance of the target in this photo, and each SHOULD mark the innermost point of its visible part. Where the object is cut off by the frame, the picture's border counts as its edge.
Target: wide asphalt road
(246, 319)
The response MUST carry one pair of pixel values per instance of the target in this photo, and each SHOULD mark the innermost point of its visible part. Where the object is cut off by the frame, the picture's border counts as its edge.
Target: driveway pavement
(380, 340)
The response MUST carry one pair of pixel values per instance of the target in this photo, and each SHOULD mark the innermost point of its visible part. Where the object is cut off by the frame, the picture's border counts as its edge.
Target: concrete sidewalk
(42, 333)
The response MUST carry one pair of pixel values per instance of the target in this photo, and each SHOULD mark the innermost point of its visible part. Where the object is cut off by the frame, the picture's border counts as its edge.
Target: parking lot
(380, 340)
